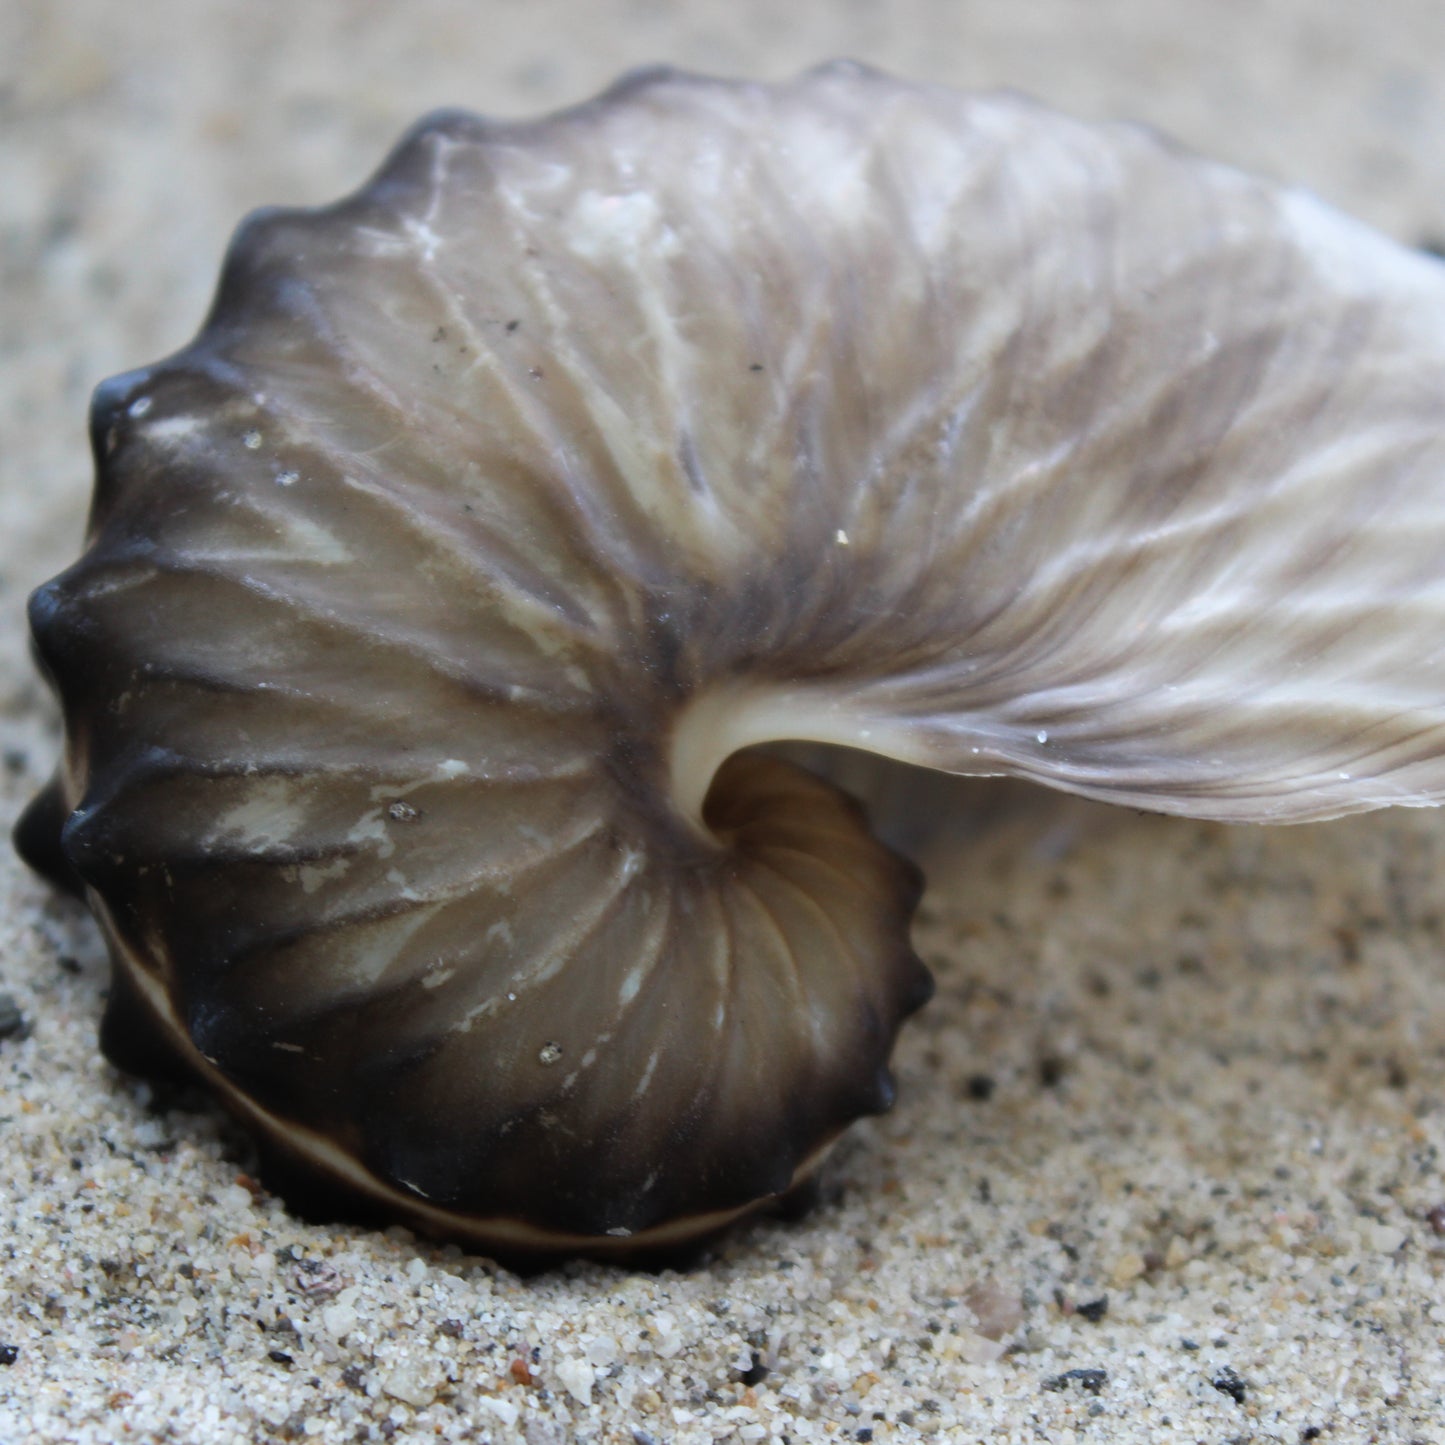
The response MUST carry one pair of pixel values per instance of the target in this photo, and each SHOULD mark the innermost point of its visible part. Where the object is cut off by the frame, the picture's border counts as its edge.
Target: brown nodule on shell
(439, 594)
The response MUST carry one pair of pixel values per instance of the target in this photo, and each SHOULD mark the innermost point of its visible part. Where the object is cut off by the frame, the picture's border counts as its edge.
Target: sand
(1167, 1158)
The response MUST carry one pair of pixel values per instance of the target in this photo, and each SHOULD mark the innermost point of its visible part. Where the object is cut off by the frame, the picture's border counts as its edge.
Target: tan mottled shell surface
(435, 592)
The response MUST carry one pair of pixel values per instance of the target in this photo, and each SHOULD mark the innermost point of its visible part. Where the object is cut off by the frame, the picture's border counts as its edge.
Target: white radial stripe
(497, 868)
(314, 600)
(845, 956)
(550, 436)
(824, 860)
(481, 552)
(648, 953)
(745, 900)
(339, 908)
(714, 1010)
(590, 912)
(614, 467)
(486, 553)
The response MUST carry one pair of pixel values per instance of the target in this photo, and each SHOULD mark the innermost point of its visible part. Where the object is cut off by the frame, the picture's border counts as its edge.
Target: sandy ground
(1166, 1163)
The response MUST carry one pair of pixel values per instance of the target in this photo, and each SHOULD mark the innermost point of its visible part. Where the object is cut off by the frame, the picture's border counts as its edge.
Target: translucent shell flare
(437, 596)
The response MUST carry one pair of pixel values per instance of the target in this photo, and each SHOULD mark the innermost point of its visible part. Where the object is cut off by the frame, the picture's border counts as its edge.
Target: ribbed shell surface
(495, 507)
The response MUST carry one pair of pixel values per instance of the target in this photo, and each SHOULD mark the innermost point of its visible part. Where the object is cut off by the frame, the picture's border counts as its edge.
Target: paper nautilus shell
(438, 595)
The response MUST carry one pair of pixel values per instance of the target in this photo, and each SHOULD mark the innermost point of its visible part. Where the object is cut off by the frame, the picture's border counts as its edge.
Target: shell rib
(435, 593)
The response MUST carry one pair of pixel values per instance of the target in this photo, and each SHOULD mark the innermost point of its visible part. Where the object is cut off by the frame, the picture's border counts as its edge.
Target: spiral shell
(438, 593)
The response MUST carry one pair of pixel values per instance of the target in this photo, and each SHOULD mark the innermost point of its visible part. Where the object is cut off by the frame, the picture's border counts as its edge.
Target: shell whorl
(435, 593)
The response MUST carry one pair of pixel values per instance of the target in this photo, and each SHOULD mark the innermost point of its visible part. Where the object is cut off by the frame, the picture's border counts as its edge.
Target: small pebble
(338, 1320)
(1384, 1238)
(1128, 1268)
(601, 1351)
(1228, 1382)
(405, 1383)
(12, 1021)
(974, 1348)
(504, 1410)
(1090, 1380)
(577, 1377)
(998, 1311)
(316, 1279)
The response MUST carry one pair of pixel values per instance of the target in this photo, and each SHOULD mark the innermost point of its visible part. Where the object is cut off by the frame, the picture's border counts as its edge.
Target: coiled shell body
(436, 591)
